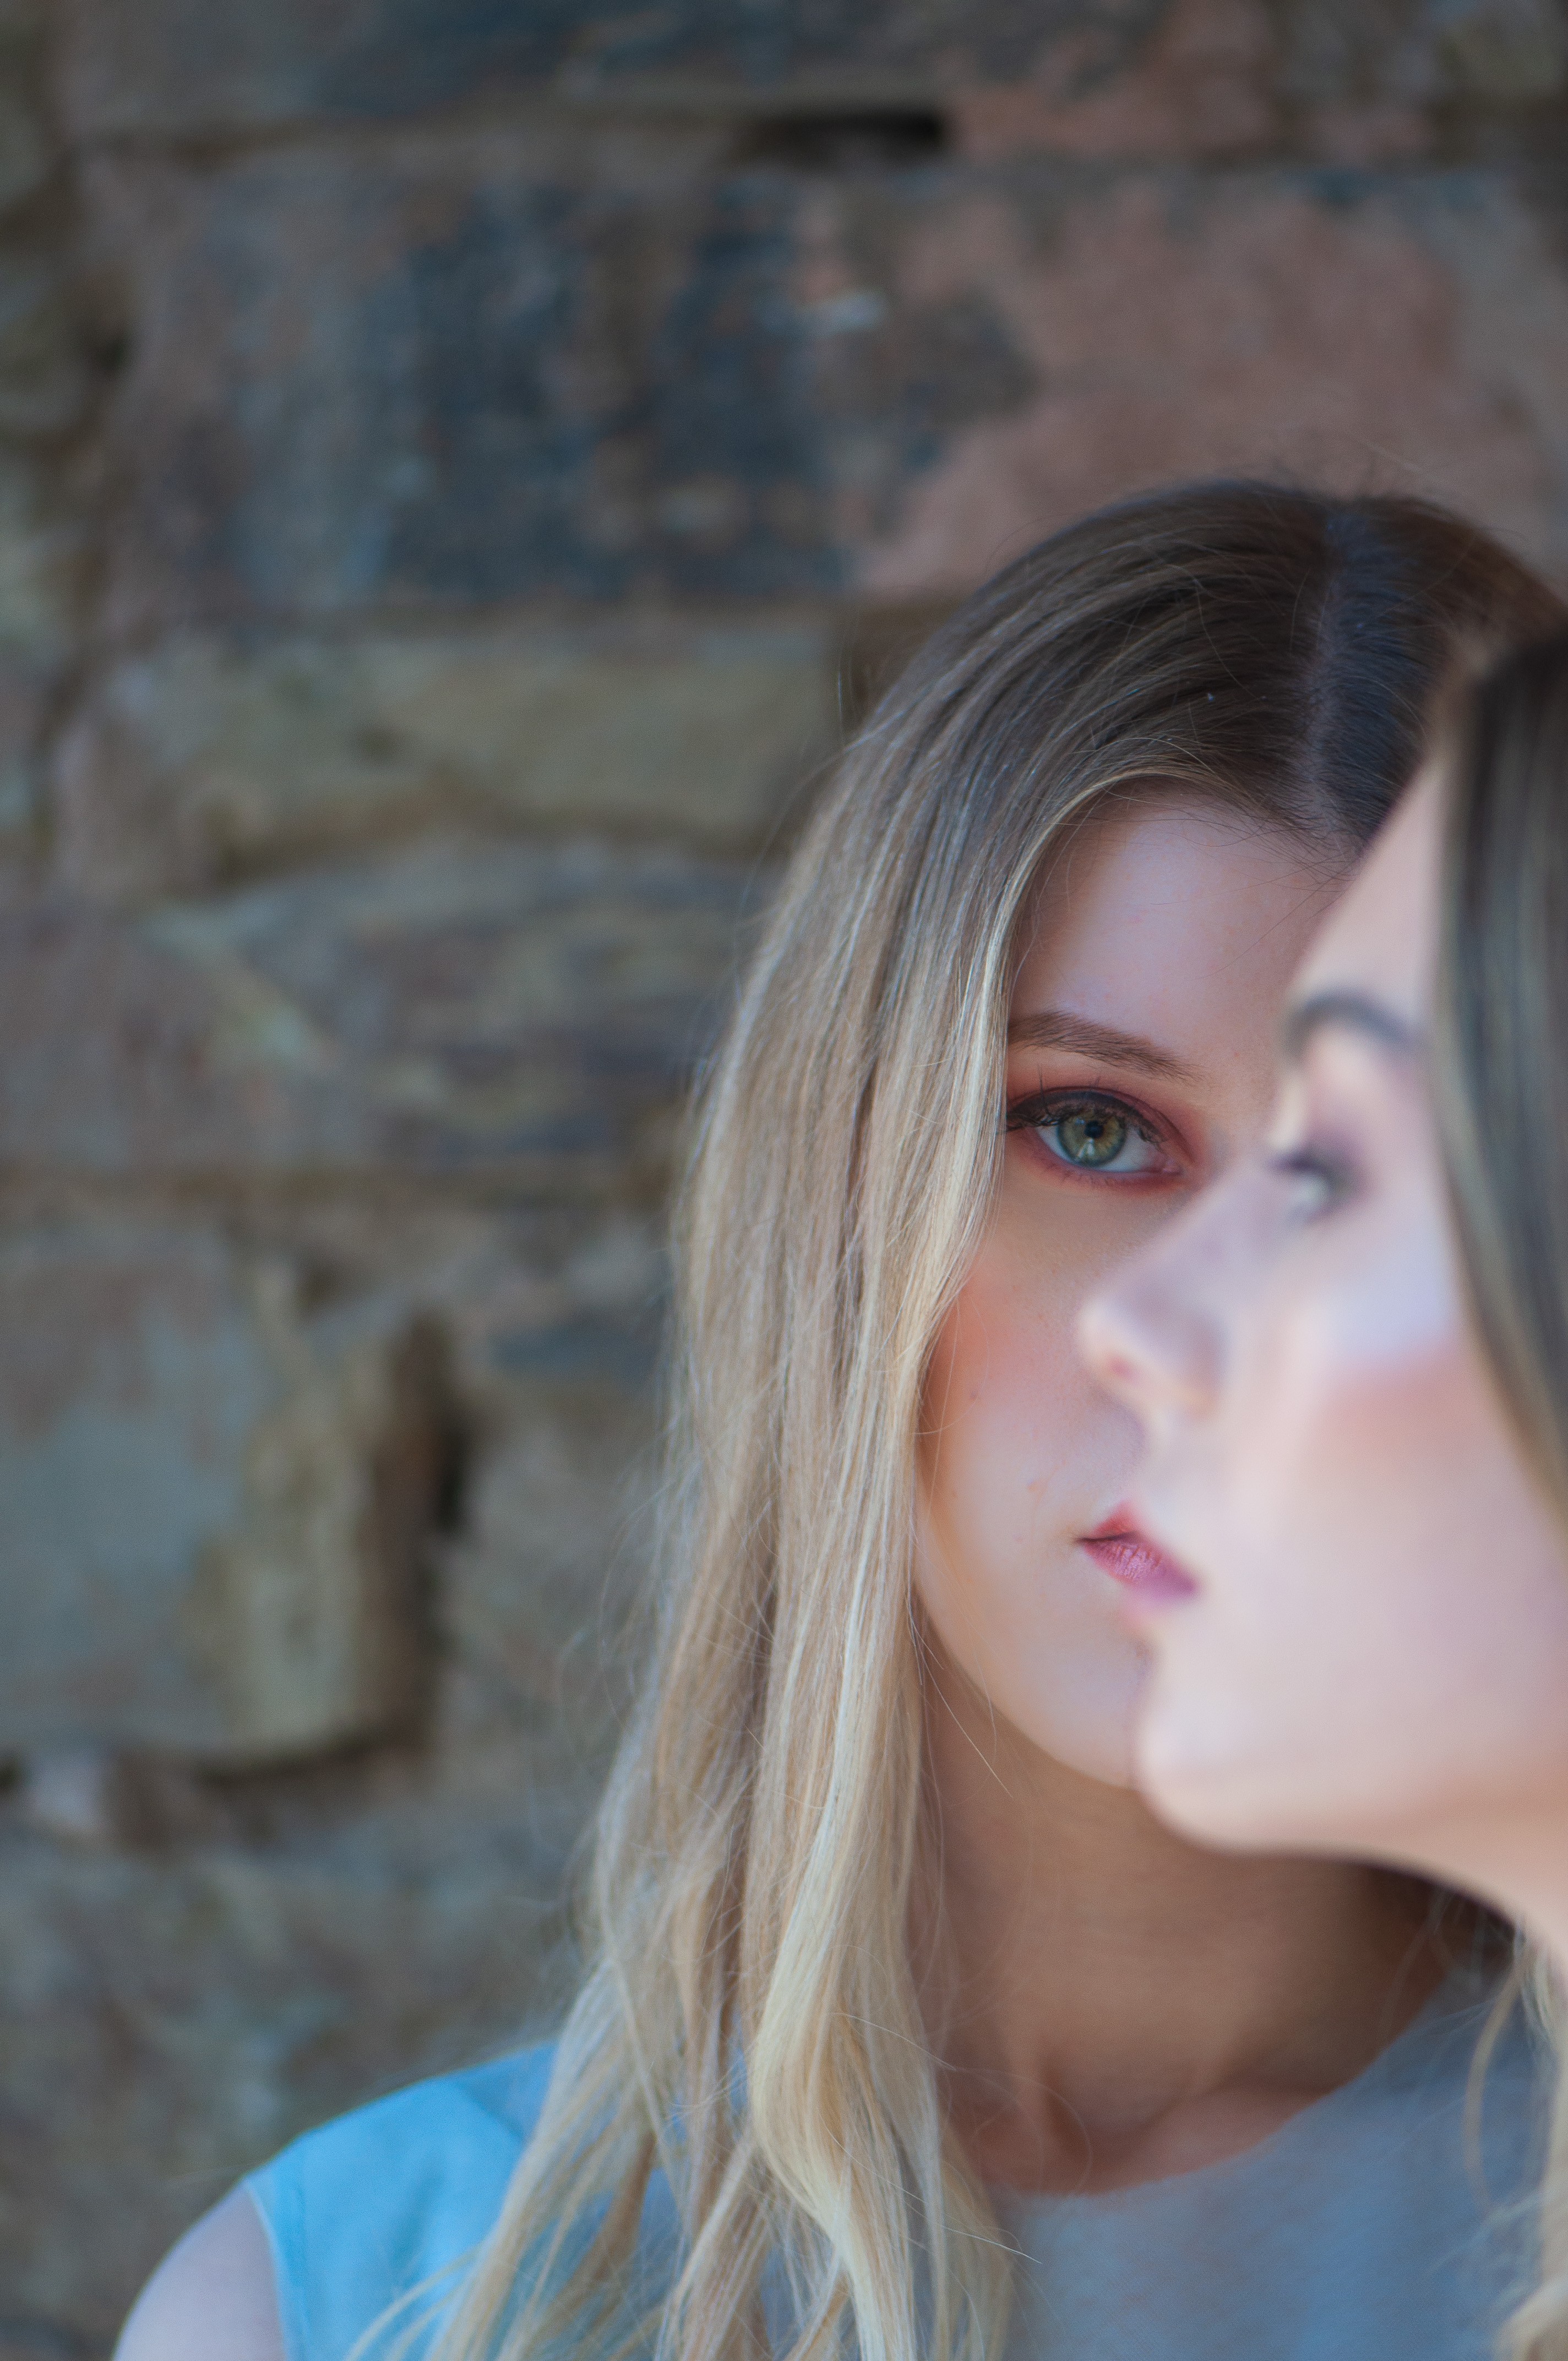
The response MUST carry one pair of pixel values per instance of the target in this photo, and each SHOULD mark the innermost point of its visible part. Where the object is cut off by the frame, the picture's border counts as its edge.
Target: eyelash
(1334, 1175)
(1038, 1110)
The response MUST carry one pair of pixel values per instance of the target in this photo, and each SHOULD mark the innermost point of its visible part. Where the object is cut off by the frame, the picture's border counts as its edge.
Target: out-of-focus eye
(1317, 1180)
(1092, 1134)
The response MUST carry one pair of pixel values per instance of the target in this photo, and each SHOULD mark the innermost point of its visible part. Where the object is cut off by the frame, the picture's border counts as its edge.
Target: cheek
(1386, 1632)
(1346, 1413)
(1003, 1397)
(1021, 1453)
(1350, 1405)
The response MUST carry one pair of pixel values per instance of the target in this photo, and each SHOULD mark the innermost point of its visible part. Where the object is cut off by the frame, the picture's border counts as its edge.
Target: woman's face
(1140, 1065)
(1375, 1653)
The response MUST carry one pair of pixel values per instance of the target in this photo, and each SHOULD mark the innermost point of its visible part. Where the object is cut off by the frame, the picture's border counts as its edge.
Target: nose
(1148, 1336)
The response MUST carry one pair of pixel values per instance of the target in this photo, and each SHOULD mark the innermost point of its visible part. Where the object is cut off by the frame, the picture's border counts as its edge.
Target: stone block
(1358, 82)
(533, 1594)
(212, 1508)
(174, 67)
(42, 548)
(186, 1981)
(513, 1014)
(45, 377)
(26, 154)
(557, 1355)
(24, 713)
(1364, 334)
(429, 378)
(169, 2020)
(28, 148)
(781, 388)
(1485, 53)
(205, 757)
(1161, 77)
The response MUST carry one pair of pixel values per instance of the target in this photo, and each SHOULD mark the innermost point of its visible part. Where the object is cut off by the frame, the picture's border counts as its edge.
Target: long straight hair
(751, 2033)
(1500, 1080)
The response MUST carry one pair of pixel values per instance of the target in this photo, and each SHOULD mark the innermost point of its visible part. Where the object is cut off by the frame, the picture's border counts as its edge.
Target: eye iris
(1091, 1136)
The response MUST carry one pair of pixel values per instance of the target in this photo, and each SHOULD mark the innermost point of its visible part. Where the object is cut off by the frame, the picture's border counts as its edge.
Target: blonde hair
(764, 1884)
(1500, 1082)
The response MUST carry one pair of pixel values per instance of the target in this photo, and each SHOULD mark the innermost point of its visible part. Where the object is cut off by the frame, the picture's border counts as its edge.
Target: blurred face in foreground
(1371, 1653)
(1140, 1063)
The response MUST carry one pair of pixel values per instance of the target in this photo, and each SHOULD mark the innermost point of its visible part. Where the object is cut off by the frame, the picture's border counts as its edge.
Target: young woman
(1353, 1363)
(903, 2009)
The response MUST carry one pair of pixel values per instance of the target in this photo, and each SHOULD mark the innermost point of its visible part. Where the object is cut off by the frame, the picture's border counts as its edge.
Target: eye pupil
(1092, 1135)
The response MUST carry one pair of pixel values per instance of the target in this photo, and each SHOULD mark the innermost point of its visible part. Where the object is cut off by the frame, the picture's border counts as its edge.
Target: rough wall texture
(446, 449)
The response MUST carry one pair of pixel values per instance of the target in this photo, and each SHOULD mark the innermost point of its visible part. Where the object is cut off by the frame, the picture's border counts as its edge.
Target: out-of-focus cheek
(1321, 1691)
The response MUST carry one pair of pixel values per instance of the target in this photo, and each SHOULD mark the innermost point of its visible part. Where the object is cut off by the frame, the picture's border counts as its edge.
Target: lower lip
(1132, 1563)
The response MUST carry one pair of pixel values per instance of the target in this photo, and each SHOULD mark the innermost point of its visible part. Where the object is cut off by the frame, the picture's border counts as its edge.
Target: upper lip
(1121, 1525)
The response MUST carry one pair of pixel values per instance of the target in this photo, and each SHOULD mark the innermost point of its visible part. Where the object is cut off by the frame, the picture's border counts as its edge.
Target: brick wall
(457, 460)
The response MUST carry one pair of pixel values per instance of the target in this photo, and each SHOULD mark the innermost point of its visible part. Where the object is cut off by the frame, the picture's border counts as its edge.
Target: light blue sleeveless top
(1365, 2229)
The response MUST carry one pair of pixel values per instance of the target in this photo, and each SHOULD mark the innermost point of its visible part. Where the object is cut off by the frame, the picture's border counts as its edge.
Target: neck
(1515, 1858)
(1115, 2004)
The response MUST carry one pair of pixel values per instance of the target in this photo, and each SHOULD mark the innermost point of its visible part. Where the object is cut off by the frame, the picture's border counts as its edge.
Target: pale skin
(1327, 1455)
(212, 2298)
(1127, 2005)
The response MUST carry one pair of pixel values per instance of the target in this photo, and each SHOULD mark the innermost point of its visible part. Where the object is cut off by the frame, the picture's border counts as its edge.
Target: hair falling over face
(752, 2025)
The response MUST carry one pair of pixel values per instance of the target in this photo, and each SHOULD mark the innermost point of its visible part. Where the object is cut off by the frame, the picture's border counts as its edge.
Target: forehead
(1155, 900)
(1381, 939)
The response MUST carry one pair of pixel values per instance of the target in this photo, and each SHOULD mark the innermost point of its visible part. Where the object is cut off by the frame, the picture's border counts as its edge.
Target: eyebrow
(1353, 1010)
(1055, 1028)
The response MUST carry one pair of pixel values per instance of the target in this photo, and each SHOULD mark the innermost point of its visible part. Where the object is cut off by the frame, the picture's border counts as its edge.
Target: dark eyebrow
(1349, 1008)
(1055, 1029)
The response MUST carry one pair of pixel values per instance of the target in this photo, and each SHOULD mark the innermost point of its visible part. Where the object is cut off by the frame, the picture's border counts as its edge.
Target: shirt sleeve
(372, 2218)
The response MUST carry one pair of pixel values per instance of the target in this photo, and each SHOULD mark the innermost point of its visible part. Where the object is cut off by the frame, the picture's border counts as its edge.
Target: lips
(1120, 1551)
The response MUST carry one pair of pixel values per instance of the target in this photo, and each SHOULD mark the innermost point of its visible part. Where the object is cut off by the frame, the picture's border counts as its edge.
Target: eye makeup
(1092, 1134)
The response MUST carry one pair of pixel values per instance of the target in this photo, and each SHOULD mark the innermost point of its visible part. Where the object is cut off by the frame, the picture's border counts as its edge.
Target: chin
(1222, 1793)
(1079, 1707)
(1101, 1748)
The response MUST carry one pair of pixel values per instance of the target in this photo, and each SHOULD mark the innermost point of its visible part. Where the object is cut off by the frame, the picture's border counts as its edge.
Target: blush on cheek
(1356, 1664)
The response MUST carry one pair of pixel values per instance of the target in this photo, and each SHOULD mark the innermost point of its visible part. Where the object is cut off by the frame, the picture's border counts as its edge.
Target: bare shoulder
(212, 2298)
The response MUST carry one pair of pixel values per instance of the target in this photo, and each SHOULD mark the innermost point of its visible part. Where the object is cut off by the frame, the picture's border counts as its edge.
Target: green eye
(1090, 1133)
(1091, 1136)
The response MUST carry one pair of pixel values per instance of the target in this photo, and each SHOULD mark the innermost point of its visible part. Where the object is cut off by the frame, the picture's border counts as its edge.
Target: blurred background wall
(461, 462)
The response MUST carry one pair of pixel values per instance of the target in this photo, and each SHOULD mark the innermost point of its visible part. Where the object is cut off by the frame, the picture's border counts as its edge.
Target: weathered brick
(429, 378)
(276, 1948)
(176, 67)
(24, 708)
(41, 556)
(557, 1366)
(1200, 81)
(208, 757)
(28, 151)
(1339, 328)
(1160, 77)
(879, 381)
(1357, 80)
(529, 1014)
(172, 2018)
(45, 380)
(1492, 52)
(211, 1507)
